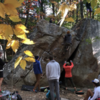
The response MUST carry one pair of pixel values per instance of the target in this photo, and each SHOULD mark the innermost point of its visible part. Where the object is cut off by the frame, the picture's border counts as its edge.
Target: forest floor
(27, 95)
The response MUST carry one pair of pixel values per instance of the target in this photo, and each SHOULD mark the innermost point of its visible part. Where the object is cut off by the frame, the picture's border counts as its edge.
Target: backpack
(18, 96)
(48, 95)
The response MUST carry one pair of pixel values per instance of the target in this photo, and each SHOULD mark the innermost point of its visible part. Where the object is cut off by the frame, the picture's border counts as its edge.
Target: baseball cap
(67, 63)
(95, 81)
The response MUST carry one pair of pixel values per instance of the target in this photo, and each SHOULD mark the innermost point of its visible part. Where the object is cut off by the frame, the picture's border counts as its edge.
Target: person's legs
(37, 81)
(51, 84)
(1, 79)
(89, 93)
(87, 12)
(71, 80)
(66, 80)
(57, 88)
(39, 76)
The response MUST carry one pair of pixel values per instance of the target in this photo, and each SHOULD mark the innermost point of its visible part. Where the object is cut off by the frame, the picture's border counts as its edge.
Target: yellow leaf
(6, 30)
(23, 64)
(2, 37)
(15, 45)
(9, 44)
(27, 41)
(30, 59)
(93, 3)
(26, 31)
(29, 53)
(70, 19)
(15, 18)
(10, 10)
(97, 11)
(15, 3)
(23, 36)
(18, 32)
(17, 61)
(2, 12)
(20, 26)
(21, 1)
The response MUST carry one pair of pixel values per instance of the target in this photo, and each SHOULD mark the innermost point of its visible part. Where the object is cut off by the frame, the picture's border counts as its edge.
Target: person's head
(37, 57)
(67, 63)
(50, 57)
(95, 82)
(68, 32)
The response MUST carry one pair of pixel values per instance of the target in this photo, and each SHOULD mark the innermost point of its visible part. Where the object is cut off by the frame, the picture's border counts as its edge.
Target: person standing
(38, 72)
(67, 41)
(53, 75)
(89, 9)
(68, 74)
(1, 70)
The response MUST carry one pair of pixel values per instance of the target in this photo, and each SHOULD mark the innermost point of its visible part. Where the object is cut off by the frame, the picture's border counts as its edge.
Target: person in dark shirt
(51, 20)
(38, 72)
(1, 70)
(67, 41)
(89, 9)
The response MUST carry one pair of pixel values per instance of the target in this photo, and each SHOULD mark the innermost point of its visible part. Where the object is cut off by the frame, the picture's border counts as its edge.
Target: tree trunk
(27, 17)
(77, 13)
(81, 8)
(41, 5)
(53, 9)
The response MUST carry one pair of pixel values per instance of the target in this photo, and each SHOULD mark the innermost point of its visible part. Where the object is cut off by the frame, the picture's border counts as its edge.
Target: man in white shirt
(93, 95)
(53, 75)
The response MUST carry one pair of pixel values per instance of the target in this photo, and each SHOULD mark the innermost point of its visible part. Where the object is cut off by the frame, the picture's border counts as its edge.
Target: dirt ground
(27, 95)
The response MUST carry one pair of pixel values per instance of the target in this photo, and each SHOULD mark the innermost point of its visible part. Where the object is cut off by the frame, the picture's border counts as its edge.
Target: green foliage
(88, 40)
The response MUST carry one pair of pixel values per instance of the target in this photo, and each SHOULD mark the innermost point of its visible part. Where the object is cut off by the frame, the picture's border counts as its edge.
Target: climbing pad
(30, 88)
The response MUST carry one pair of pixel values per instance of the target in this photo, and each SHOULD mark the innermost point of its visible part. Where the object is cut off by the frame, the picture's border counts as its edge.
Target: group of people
(53, 75)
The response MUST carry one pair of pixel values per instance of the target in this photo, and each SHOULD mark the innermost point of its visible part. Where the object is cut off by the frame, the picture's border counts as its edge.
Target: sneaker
(35, 91)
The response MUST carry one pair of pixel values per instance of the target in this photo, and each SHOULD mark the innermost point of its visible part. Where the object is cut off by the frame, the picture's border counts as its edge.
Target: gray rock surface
(48, 38)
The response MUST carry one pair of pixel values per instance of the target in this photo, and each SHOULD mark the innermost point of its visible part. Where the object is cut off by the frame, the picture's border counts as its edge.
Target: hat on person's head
(36, 57)
(67, 63)
(95, 81)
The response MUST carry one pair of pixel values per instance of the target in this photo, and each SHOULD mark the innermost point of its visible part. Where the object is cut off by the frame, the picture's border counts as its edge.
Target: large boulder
(48, 41)
(87, 56)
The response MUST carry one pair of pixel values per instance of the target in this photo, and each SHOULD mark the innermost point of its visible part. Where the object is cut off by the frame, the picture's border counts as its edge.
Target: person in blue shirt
(38, 72)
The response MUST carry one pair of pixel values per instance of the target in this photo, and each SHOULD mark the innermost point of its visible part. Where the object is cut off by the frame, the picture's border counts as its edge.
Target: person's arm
(40, 68)
(71, 64)
(59, 70)
(95, 96)
(47, 71)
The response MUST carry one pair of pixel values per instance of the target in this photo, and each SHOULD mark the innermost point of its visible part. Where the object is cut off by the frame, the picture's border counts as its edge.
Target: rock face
(48, 38)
